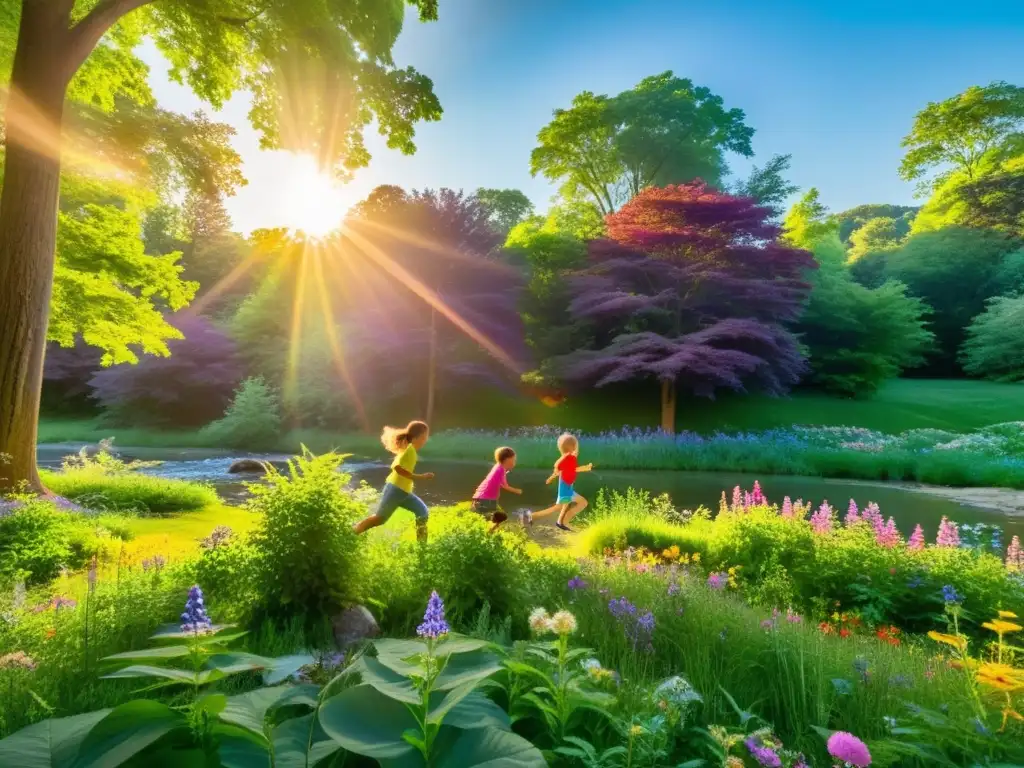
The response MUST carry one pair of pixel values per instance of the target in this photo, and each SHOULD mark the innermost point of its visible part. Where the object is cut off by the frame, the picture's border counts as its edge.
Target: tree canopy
(665, 130)
(505, 207)
(968, 133)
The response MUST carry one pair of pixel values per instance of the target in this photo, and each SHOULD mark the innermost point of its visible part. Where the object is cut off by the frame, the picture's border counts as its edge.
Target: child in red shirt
(568, 502)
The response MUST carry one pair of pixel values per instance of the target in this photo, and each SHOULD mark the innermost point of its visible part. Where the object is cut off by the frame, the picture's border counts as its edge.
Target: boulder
(247, 466)
(354, 625)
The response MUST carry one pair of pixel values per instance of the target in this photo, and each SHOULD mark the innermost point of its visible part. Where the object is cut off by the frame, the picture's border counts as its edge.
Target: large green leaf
(240, 748)
(295, 737)
(454, 643)
(385, 680)
(365, 721)
(236, 659)
(147, 670)
(476, 711)
(488, 748)
(286, 666)
(402, 656)
(50, 744)
(475, 665)
(452, 699)
(165, 652)
(249, 710)
(126, 731)
(174, 632)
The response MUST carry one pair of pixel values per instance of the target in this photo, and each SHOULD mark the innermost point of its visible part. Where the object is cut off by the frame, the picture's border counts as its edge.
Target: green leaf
(402, 656)
(477, 711)
(286, 666)
(240, 748)
(249, 710)
(385, 680)
(173, 632)
(146, 670)
(465, 667)
(50, 744)
(365, 721)
(453, 697)
(490, 748)
(166, 652)
(291, 739)
(126, 731)
(454, 643)
(236, 659)
(212, 703)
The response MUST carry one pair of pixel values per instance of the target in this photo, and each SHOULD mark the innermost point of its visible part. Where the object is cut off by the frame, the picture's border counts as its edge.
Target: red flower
(844, 632)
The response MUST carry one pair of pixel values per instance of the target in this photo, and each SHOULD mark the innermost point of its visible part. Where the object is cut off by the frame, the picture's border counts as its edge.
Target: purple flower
(757, 496)
(194, 618)
(621, 607)
(916, 581)
(577, 583)
(434, 625)
(848, 748)
(764, 755)
(673, 588)
(872, 515)
(718, 580)
(852, 515)
(159, 561)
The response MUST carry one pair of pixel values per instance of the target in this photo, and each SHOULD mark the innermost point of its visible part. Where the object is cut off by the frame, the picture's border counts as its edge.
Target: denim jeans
(393, 498)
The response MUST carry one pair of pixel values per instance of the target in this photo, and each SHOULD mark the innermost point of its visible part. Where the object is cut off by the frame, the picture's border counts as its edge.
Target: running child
(405, 444)
(568, 502)
(485, 498)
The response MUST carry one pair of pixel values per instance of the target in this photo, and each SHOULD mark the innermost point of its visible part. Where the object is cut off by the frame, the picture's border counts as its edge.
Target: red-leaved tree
(693, 289)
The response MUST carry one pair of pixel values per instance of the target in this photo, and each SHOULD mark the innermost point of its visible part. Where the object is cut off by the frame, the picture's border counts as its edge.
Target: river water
(456, 481)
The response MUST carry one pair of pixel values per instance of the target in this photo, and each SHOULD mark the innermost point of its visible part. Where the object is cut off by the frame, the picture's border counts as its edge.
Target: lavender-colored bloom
(673, 588)
(194, 618)
(951, 596)
(159, 561)
(621, 607)
(872, 515)
(757, 495)
(763, 755)
(577, 583)
(218, 536)
(848, 748)
(434, 625)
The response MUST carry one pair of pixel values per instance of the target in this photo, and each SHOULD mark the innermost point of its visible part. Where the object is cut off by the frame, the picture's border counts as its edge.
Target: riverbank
(990, 457)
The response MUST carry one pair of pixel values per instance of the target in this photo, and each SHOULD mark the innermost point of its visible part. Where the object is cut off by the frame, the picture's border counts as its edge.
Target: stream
(455, 481)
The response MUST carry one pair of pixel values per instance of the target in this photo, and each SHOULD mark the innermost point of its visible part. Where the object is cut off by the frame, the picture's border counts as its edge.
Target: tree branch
(87, 33)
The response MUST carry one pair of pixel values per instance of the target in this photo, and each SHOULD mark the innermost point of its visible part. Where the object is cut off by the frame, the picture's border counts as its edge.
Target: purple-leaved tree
(693, 289)
(189, 388)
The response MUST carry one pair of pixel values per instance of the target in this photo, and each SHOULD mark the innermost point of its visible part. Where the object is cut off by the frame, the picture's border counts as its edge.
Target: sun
(312, 201)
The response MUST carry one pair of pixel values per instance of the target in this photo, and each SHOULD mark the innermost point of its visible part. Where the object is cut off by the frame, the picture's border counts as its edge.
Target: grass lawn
(955, 405)
(178, 536)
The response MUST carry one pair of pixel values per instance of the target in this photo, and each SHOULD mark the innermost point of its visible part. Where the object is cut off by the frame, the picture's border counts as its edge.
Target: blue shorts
(566, 492)
(393, 497)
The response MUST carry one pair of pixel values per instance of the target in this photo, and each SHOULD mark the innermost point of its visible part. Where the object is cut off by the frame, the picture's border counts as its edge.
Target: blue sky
(835, 84)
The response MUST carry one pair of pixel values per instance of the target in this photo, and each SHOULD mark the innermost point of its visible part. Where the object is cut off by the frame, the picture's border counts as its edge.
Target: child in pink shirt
(485, 499)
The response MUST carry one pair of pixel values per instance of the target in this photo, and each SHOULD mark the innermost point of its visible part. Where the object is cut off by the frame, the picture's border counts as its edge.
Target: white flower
(563, 623)
(540, 622)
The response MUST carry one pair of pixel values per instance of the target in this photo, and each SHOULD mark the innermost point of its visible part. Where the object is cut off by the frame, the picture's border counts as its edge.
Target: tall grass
(129, 492)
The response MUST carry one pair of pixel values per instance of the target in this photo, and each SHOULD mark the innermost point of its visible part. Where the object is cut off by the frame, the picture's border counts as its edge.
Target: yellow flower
(671, 553)
(636, 730)
(958, 642)
(696, 558)
(1010, 712)
(733, 762)
(1007, 615)
(1001, 627)
(1002, 677)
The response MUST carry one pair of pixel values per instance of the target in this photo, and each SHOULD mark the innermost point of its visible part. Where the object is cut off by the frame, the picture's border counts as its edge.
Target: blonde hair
(395, 439)
(501, 454)
(567, 443)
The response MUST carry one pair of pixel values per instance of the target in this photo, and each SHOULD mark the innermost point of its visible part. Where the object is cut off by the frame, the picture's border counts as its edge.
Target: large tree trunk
(28, 228)
(668, 407)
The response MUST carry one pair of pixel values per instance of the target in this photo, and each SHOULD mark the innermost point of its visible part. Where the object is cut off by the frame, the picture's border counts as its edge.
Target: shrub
(994, 347)
(306, 554)
(34, 540)
(187, 388)
(253, 420)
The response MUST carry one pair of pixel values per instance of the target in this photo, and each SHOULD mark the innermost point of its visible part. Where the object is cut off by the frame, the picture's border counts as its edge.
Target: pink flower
(757, 496)
(737, 498)
(873, 516)
(848, 748)
(747, 500)
(949, 534)
(787, 507)
(888, 535)
(1014, 555)
(851, 514)
(916, 538)
(821, 521)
